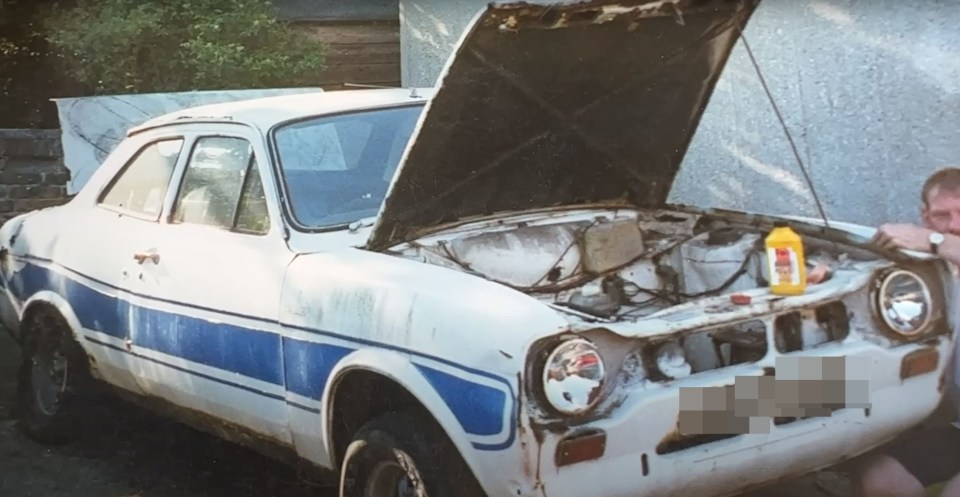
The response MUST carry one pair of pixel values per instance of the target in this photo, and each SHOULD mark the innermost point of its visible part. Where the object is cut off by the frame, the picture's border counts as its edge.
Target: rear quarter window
(141, 186)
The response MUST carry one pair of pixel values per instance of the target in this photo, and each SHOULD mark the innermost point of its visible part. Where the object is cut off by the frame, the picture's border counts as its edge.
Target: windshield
(337, 169)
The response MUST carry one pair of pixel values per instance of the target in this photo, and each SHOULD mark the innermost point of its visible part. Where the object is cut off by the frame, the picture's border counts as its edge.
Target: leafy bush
(27, 75)
(122, 46)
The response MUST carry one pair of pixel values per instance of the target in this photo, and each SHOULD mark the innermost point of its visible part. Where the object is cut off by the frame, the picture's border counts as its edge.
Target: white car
(477, 289)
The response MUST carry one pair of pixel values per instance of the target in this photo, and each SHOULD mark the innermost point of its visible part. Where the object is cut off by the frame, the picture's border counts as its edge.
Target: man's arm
(916, 238)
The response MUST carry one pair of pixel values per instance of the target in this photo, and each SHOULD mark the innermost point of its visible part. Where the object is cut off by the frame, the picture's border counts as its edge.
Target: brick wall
(32, 174)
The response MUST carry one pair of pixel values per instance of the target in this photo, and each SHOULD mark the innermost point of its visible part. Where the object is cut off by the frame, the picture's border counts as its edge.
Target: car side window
(221, 187)
(252, 214)
(142, 184)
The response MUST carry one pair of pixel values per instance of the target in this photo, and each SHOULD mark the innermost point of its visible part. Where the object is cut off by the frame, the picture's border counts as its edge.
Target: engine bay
(617, 265)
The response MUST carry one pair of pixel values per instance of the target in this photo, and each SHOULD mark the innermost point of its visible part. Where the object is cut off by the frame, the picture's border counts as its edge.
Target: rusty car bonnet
(545, 106)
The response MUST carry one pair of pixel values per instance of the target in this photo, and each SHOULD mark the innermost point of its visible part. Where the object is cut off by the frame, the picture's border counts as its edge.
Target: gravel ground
(122, 451)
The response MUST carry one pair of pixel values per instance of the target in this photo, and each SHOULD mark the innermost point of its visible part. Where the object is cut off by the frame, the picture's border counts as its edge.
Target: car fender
(381, 301)
(401, 370)
(60, 304)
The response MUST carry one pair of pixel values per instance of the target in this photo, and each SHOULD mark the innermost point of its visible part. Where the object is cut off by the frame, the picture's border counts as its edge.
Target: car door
(210, 276)
(96, 249)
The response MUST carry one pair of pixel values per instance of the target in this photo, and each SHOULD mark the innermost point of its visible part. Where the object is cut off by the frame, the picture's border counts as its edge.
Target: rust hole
(583, 16)
(550, 17)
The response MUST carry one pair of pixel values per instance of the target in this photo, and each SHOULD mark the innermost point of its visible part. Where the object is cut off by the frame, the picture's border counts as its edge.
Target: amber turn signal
(580, 448)
(919, 362)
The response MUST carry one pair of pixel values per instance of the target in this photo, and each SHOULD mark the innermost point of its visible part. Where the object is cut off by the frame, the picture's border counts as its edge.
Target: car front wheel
(402, 455)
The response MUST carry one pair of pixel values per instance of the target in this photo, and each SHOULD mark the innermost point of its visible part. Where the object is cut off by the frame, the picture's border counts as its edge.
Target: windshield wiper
(362, 223)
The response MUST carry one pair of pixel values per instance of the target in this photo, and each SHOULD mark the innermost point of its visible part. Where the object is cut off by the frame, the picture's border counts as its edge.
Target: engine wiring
(585, 277)
(675, 296)
(577, 279)
(571, 281)
(637, 308)
(671, 295)
(581, 234)
(741, 270)
(466, 267)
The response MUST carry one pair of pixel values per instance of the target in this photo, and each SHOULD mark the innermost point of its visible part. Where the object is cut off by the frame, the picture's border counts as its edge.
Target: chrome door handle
(142, 257)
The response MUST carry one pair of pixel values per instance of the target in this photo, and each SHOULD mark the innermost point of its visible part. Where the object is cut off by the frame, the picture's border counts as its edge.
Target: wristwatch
(935, 240)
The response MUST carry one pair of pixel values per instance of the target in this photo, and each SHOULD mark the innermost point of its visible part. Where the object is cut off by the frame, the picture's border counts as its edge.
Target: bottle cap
(740, 299)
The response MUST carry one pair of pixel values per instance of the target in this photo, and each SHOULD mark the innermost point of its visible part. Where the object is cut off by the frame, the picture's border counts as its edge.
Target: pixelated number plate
(803, 387)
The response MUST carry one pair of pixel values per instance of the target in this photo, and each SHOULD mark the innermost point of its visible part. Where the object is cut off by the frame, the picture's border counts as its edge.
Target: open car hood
(555, 105)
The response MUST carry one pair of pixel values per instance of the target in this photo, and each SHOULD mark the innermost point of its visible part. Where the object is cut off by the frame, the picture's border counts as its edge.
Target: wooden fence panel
(362, 53)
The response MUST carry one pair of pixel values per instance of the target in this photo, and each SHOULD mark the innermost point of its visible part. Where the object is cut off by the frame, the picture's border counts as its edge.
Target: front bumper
(630, 465)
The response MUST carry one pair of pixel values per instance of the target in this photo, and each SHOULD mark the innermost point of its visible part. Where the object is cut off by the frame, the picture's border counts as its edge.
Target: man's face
(943, 211)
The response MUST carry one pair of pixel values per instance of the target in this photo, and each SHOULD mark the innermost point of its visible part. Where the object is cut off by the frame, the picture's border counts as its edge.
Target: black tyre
(52, 374)
(404, 455)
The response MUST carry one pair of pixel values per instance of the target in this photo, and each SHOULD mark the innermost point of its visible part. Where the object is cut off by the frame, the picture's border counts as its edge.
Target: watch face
(936, 238)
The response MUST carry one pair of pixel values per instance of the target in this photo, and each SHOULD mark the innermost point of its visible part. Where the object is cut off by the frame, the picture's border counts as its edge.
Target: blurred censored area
(803, 387)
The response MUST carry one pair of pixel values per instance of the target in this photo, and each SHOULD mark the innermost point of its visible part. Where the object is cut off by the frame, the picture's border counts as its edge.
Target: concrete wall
(870, 91)
(32, 175)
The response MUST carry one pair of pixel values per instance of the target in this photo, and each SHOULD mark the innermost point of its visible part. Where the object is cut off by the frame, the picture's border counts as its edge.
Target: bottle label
(784, 269)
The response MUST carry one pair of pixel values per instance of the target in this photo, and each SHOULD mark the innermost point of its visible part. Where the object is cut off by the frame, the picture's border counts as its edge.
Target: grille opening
(744, 344)
(711, 349)
(807, 329)
(789, 333)
(834, 319)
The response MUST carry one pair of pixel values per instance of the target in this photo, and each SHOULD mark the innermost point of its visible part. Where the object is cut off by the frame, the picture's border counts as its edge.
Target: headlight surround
(905, 303)
(573, 377)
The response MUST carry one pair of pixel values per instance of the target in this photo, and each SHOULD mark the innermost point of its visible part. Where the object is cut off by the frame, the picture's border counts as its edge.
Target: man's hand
(903, 236)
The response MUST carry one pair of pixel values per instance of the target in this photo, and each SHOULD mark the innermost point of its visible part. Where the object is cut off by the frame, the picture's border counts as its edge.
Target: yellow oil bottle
(785, 261)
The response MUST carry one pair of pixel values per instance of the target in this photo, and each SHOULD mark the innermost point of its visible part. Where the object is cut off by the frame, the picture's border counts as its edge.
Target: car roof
(265, 112)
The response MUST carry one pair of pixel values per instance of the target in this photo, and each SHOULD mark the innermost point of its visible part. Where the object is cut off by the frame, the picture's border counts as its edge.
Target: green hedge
(122, 46)
(67, 48)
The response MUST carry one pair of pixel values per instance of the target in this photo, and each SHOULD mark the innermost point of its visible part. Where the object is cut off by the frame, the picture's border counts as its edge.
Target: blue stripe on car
(308, 361)
(302, 367)
(186, 370)
(246, 351)
(467, 399)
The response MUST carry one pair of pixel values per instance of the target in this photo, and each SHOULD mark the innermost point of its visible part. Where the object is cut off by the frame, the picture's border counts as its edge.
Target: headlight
(905, 303)
(573, 376)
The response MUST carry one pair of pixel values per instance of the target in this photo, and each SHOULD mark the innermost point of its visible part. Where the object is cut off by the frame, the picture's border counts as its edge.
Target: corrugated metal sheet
(870, 91)
(93, 126)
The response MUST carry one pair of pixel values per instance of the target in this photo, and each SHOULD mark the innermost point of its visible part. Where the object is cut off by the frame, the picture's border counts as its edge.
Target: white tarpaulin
(92, 126)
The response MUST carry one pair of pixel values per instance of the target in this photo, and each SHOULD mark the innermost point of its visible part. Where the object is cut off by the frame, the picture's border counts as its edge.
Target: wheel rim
(389, 479)
(48, 377)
